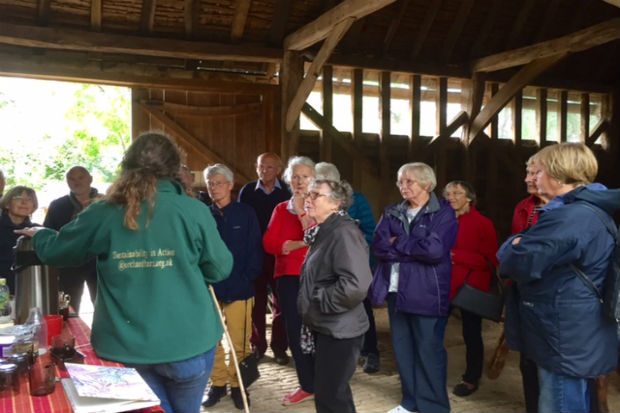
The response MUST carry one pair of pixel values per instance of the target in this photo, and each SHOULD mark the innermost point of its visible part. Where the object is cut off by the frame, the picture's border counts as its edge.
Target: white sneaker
(400, 409)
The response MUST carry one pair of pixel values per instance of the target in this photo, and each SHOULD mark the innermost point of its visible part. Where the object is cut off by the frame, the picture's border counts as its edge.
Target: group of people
(307, 245)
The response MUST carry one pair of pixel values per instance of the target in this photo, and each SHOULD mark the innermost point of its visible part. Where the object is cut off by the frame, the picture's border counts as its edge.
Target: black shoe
(372, 363)
(464, 389)
(281, 358)
(235, 395)
(214, 395)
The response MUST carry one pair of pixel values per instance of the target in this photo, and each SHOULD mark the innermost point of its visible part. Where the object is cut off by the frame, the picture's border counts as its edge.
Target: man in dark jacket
(238, 227)
(60, 212)
(263, 195)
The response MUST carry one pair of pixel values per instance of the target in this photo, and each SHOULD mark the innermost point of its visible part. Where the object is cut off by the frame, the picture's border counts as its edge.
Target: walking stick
(246, 407)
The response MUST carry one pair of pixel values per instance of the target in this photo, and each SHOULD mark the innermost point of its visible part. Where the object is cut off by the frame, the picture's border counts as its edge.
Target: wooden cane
(246, 407)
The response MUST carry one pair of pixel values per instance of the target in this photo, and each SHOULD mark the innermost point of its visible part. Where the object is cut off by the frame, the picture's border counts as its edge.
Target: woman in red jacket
(284, 238)
(473, 260)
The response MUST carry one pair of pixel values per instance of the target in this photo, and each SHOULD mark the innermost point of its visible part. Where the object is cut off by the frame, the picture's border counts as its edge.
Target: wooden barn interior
(471, 87)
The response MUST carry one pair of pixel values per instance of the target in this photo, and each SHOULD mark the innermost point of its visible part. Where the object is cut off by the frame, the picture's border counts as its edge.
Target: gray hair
(339, 191)
(326, 170)
(292, 163)
(422, 173)
(219, 169)
(15, 192)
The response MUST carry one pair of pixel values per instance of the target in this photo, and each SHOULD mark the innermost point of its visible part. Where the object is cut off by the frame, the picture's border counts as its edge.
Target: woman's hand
(291, 245)
(298, 203)
(29, 232)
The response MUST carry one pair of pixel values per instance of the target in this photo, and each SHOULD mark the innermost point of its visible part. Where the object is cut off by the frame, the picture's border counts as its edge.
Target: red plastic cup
(54, 326)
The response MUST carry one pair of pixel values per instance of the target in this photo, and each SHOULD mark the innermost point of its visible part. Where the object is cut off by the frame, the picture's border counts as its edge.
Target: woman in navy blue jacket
(562, 325)
(412, 245)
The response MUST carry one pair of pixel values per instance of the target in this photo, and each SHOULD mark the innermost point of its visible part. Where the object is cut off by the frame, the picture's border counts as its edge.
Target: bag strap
(588, 282)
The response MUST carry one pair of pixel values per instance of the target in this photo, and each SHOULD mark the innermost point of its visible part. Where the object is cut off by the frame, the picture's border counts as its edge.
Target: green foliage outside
(93, 131)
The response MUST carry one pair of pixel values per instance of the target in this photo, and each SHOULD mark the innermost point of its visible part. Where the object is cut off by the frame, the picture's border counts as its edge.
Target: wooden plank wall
(232, 127)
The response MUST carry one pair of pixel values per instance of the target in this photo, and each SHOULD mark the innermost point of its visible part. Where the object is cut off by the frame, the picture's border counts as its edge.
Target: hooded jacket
(562, 325)
(422, 249)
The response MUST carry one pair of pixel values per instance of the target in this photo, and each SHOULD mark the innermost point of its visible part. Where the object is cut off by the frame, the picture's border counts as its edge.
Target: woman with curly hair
(157, 249)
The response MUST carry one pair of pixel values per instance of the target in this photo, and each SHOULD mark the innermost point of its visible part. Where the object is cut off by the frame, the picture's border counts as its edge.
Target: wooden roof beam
(86, 41)
(613, 2)
(95, 14)
(147, 19)
(519, 24)
(575, 42)
(307, 84)
(457, 28)
(320, 28)
(484, 31)
(431, 14)
(391, 32)
(507, 92)
(242, 8)
(191, 12)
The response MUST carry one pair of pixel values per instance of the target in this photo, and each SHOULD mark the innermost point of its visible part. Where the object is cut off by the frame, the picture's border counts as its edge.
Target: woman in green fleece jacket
(157, 249)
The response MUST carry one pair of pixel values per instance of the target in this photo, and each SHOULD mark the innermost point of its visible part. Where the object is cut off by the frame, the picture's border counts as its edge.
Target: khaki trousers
(238, 318)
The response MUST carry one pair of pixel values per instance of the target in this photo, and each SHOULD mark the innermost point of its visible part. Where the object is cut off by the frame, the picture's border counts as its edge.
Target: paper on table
(94, 389)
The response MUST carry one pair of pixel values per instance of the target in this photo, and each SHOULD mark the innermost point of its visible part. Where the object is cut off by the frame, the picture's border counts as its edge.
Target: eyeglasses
(457, 193)
(312, 195)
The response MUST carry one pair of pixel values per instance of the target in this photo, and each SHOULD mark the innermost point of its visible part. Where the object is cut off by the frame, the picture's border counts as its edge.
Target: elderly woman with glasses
(334, 282)
(412, 245)
(284, 239)
(17, 205)
(560, 265)
(473, 262)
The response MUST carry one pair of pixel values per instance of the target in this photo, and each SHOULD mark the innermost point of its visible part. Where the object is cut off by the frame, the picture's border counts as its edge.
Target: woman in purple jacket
(412, 245)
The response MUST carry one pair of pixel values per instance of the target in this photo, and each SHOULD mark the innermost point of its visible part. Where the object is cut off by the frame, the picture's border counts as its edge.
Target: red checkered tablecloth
(57, 402)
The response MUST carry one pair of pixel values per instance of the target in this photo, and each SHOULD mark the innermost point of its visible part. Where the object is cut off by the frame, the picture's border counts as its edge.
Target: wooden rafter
(95, 15)
(457, 28)
(81, 40)
(581, 40)
(429, 18)
(205, 111)
(178, 131)
(503, 96)
(147, 18)
(485, 30)
(613, 2)
(242, 8)
(394, 25)
(43, 11)
(599, 129)
(519, 23)
(307, 84)
(320, 28)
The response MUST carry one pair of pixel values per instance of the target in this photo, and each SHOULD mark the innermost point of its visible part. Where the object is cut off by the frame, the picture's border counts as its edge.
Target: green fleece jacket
(153, 305)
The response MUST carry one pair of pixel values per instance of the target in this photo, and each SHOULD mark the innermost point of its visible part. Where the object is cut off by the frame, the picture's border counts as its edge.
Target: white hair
(422, 173)
(292, 163)
(326, 170)
(219, 169)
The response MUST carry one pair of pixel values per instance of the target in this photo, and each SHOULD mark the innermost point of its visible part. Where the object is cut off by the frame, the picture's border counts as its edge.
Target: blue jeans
(421, 358)
(179, 385)
(562, 394)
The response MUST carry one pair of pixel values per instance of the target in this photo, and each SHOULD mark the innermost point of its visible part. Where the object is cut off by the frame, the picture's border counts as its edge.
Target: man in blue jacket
(238, 227)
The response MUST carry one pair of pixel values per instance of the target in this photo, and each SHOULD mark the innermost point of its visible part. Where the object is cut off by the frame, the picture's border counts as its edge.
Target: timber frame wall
(496, 167)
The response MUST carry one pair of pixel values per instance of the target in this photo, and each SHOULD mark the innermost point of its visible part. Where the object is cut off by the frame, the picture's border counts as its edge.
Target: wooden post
(416, 96)
(291, 77)
(517, 116)
(358, 103)
(563, 115)
(541, 115)
(442, 105)
(384, 160)
(494, 121)
(585, 116)
(328, 112)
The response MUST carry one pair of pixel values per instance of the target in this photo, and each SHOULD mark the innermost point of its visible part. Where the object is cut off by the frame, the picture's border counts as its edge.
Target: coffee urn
(35, 286)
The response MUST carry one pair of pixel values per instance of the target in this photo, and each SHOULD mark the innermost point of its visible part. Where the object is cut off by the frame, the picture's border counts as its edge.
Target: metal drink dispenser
(35, 285)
